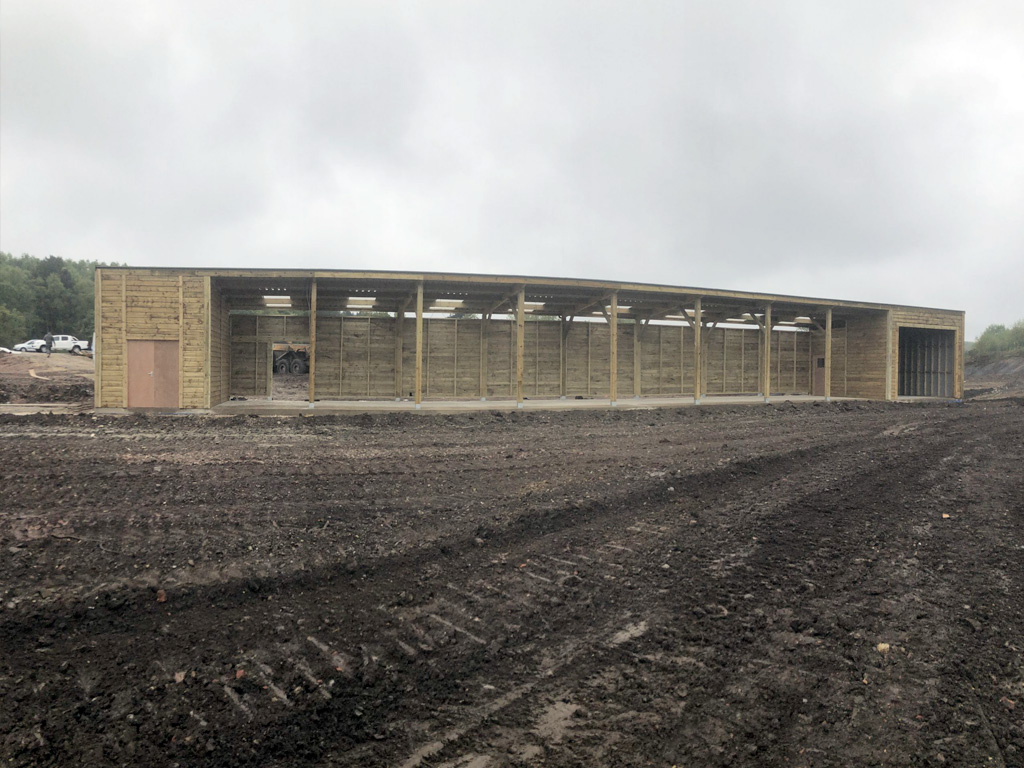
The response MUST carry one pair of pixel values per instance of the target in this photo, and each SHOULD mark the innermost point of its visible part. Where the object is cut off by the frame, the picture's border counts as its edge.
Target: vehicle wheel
(76, 350)
(297, 367)
(282, 366)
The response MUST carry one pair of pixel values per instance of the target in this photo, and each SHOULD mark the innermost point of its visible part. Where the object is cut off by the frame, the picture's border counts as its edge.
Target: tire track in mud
(844, 493)
(130, 633)
(856, 478)
(488, 652)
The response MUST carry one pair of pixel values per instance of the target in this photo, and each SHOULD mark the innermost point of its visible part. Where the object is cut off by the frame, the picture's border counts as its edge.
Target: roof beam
(602, 300)
(507, 299)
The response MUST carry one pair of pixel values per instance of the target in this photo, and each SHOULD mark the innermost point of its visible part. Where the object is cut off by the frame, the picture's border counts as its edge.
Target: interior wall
(732, 360)
(252, 340)
(356, 358)
(926, 362)
(839, 362)
(666, 355)
(791, 363)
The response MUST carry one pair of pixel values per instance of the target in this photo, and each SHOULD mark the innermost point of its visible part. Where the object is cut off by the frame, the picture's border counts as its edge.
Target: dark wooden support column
(485, 327)
(418, 386)
(613, 349)
(399, 328)
(563, 349)
(890, 354)
(637, 359)
(766, 370)
(828, 354)
(520, 343)
(698, 366)
(312, 344)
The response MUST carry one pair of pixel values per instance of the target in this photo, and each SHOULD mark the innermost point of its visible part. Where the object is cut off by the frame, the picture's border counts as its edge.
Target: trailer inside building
(194, 338)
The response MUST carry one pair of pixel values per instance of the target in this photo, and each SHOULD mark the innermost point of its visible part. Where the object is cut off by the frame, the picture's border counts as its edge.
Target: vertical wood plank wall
(356, 358)
(251, 359)
(839, 361)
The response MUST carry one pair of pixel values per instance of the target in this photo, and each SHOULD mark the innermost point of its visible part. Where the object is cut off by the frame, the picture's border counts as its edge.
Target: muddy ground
(32, 377)
(812, 585)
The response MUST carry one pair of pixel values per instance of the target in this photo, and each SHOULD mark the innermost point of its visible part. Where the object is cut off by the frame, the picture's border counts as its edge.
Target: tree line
(997, 341)
(45, 294)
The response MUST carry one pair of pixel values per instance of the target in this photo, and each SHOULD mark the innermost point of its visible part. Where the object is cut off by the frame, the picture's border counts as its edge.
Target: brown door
(819, 377)
(152, 374)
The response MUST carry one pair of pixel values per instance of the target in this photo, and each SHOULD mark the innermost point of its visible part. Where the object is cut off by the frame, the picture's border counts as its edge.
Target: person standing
(48, 341)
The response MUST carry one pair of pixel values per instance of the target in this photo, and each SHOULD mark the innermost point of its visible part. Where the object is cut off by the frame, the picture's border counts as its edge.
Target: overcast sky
(859, 150)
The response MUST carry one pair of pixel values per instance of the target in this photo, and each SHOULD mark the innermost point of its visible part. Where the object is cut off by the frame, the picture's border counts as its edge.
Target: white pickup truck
(65, 343)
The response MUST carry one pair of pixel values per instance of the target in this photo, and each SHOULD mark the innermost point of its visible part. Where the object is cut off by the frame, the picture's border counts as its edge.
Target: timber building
(194, 338)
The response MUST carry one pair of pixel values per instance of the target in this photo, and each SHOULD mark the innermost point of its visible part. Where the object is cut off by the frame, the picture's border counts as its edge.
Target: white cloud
(870, 151)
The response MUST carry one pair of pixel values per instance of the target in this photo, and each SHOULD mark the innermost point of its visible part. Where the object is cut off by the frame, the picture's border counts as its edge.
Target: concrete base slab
(296, 407)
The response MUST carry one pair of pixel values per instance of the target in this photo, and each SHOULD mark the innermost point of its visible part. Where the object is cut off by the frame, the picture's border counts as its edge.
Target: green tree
(12, 326)
(998, 340)
(37, 295)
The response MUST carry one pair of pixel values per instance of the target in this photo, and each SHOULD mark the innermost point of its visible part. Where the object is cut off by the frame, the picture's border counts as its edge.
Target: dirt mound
(994, 378)
(46, 392)
(33, 378)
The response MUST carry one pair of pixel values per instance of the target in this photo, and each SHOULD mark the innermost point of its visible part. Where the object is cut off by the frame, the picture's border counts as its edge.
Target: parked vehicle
(33, 345)
(65, 343)
(289, 359)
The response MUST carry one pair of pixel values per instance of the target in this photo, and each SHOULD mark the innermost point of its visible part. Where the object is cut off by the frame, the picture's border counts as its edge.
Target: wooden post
(418, 386)
(399, 327)
(181, 340)
(312, 343)
(563, 332)
(455, 361)
(613, 350)
(124, 339)
(637, 328)
(208, 314)
(682, 357)
(98, 334)
(269, 366)
(828, 354)
(889, 369)
(520, 343)
(256, 359)
(485, 322)
(725, 360)
(697, 366)
(766, 370)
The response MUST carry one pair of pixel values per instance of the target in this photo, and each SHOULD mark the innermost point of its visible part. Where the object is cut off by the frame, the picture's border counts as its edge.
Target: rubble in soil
(59, 379)
(790, 585)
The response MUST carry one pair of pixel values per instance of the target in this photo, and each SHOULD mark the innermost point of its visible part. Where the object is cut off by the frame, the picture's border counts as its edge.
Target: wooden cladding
(952, 352)
(220, 349)
(366, 357)
(144, 306)
(224, 340)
